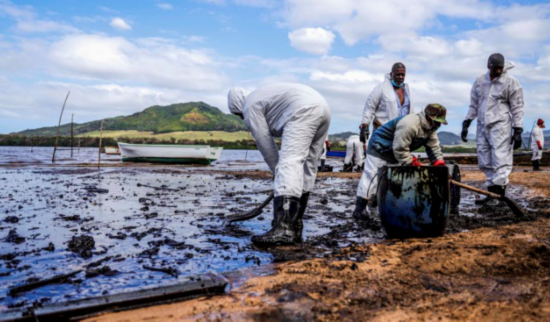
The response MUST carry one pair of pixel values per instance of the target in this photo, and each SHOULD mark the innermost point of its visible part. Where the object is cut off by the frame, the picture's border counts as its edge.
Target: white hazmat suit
(537, 135)
(325, 149)
(381, 107)
(354, 149)
(301, 117)
(498, 106)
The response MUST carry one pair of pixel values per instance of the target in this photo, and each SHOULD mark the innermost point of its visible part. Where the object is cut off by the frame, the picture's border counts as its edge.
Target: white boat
(112, 150)
(169, 153)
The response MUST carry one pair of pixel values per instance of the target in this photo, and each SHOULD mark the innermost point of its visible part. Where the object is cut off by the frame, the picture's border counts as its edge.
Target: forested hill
(195, 116)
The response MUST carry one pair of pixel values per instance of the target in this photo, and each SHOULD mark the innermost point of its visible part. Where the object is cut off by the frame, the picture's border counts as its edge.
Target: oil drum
(414, 201)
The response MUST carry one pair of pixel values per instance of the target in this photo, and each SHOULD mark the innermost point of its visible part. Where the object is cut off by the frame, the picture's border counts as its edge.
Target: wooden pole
(72, 134)
(58, 125)
(79, 146)
(99, 151)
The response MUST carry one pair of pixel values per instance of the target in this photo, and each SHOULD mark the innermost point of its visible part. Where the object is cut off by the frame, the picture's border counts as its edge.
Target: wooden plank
(190, 287)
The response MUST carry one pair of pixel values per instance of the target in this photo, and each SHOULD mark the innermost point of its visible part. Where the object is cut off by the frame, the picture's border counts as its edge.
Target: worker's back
(278, 103)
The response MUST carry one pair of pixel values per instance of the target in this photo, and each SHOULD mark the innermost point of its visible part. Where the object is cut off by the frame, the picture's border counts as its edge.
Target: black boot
(360, 212)
(299, 221)
(322, 165)
(285, 212)
(499, 190)
(536, 165)
(486, 199)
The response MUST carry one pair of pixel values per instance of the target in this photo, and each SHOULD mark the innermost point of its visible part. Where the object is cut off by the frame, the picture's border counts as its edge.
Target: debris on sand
(94, 189)
(14, 237)
(82, 245)
(104, 270)
(11, 219)
(168, 270)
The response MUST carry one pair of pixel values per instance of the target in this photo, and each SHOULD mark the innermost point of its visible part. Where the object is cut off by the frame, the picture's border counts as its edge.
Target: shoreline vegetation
(228, 140)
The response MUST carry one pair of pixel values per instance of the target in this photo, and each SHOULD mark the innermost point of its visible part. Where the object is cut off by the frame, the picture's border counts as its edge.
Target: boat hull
(173, 154)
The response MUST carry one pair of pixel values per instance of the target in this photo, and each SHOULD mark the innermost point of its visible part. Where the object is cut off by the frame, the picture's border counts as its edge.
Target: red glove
(328, 145)
(540, 145)
(415, 162)
(439, 163)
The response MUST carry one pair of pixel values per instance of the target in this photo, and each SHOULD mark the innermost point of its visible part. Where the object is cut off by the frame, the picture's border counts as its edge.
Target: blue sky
(119, 57)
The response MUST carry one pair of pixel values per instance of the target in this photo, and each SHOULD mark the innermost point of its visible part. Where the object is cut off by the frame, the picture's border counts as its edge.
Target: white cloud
(316, 41)
(155, 61)
(165, 6)
(120, 24)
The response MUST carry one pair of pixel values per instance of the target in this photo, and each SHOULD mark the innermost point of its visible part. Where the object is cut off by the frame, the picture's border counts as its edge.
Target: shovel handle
(483, 192)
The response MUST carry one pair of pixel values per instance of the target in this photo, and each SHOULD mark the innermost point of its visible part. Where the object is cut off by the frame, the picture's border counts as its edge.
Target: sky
(120, 57)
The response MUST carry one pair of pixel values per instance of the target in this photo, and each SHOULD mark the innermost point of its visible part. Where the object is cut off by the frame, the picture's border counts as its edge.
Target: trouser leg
(484, 155)
(315, 149)
(369, 178)
(502, 151)
(298, 136)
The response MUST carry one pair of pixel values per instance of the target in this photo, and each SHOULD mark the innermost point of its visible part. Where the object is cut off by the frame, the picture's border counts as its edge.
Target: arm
(433, 149)
(474, 103)
(411, 110)
(404, 134)
(516, 103)
(264, 140)
(371, 105)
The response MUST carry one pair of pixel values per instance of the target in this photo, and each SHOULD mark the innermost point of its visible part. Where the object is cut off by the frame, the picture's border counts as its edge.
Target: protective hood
(235, 100)
(508, 65)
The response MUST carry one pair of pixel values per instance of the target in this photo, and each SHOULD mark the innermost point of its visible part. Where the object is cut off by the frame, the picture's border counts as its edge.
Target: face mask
(394, 84)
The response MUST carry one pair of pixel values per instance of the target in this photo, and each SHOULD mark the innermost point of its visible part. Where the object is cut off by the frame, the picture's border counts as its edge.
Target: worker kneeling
(301, 116)
(392, 144)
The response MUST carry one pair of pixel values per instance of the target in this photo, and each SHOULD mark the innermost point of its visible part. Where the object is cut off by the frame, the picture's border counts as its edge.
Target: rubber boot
(487, 198)
(299, 220)
(536, 165)
(360, 212)
(499, 190)
(322, 165)
(285, 212)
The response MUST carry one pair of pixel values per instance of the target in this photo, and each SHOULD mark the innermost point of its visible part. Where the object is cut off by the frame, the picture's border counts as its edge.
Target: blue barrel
(414, 201)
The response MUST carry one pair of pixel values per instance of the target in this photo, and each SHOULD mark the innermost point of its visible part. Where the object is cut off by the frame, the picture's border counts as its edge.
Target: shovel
(509, 202)
(248, 215)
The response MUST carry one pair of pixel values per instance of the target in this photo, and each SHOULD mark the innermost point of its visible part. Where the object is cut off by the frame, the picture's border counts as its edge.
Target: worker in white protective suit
(497, 102)
(354, 153)
(537, 144)
(387, 101)
(326, 148)
(301, 116)
(392, 144)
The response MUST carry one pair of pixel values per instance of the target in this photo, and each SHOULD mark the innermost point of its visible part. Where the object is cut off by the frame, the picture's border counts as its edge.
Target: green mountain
(195, 116)
(448, 138)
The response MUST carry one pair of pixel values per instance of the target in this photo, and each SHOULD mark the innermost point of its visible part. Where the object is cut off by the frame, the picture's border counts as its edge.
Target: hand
(539, 145)
(516, 137)
(415, 162)
(465, 126)
(439, 163)
(328, 147)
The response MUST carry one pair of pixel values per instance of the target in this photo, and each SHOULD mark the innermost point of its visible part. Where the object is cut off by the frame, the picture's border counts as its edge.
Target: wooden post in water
(72, 134)
(79, 146)
(99, 151)
(58, 125)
